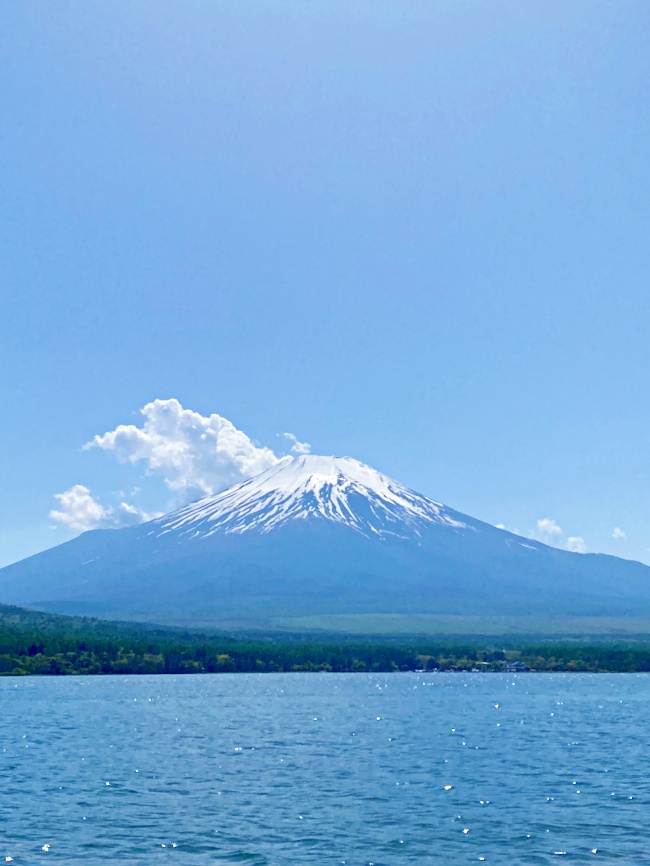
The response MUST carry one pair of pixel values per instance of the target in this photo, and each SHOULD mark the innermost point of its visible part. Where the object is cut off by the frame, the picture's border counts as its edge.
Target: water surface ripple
(356, 769)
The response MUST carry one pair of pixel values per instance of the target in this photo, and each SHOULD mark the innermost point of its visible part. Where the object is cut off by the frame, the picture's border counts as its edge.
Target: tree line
(34, 643)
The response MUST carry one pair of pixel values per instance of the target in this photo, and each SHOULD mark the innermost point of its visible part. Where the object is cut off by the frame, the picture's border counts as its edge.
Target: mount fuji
(315, 536)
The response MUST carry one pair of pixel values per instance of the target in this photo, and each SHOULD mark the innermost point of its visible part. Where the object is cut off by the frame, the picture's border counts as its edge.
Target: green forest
(33, 643)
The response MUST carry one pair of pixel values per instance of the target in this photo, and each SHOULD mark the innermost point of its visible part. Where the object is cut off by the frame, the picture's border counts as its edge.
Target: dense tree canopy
(39, 643)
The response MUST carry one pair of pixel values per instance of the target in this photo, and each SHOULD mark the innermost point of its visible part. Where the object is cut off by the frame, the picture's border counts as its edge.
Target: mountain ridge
(321, 536)
(309, 486)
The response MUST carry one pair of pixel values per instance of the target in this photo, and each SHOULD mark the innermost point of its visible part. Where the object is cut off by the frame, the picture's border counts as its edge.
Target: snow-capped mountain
(319, 535)
(338, 489)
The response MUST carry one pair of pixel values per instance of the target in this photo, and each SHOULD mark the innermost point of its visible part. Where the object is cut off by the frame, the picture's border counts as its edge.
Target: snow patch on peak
(339, 489)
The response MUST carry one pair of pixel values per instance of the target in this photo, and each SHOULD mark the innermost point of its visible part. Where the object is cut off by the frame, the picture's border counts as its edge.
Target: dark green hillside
(32, 642)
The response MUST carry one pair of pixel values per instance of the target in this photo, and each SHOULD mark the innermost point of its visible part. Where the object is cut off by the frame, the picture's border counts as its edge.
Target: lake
(353, 769)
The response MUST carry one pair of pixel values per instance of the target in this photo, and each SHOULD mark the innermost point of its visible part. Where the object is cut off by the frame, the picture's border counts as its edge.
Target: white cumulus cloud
(79, 510)
(128, 514)
(576, 544)
(618, 533)
(194, 454)
(297, 447)
(548, 528)
(550, 533)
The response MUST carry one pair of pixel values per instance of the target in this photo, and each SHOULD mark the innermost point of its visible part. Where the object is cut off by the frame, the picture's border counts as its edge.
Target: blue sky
(413, 233)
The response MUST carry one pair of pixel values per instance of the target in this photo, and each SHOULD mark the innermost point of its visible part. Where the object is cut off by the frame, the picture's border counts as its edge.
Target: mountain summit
(338, 489)
(319, 536)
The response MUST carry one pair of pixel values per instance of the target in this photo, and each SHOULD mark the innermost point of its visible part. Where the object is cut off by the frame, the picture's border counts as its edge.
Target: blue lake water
(326, 769)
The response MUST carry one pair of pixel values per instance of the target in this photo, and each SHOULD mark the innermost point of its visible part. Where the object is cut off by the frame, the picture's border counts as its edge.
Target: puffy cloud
(80, 511)
(501, 526)
(618, 533)
(576, 544)
(194, 453)
(128, 514)
(548, 528)
(297, 447)
(549, 532)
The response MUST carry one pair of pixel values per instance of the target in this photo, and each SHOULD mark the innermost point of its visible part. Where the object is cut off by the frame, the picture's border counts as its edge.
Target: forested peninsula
(34, 643)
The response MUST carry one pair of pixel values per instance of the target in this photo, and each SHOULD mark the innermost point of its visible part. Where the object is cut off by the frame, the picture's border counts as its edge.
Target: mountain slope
(320, 535)
(338, 489)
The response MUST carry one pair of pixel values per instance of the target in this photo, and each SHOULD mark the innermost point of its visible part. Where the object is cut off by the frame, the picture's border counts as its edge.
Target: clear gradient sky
(415, 233)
